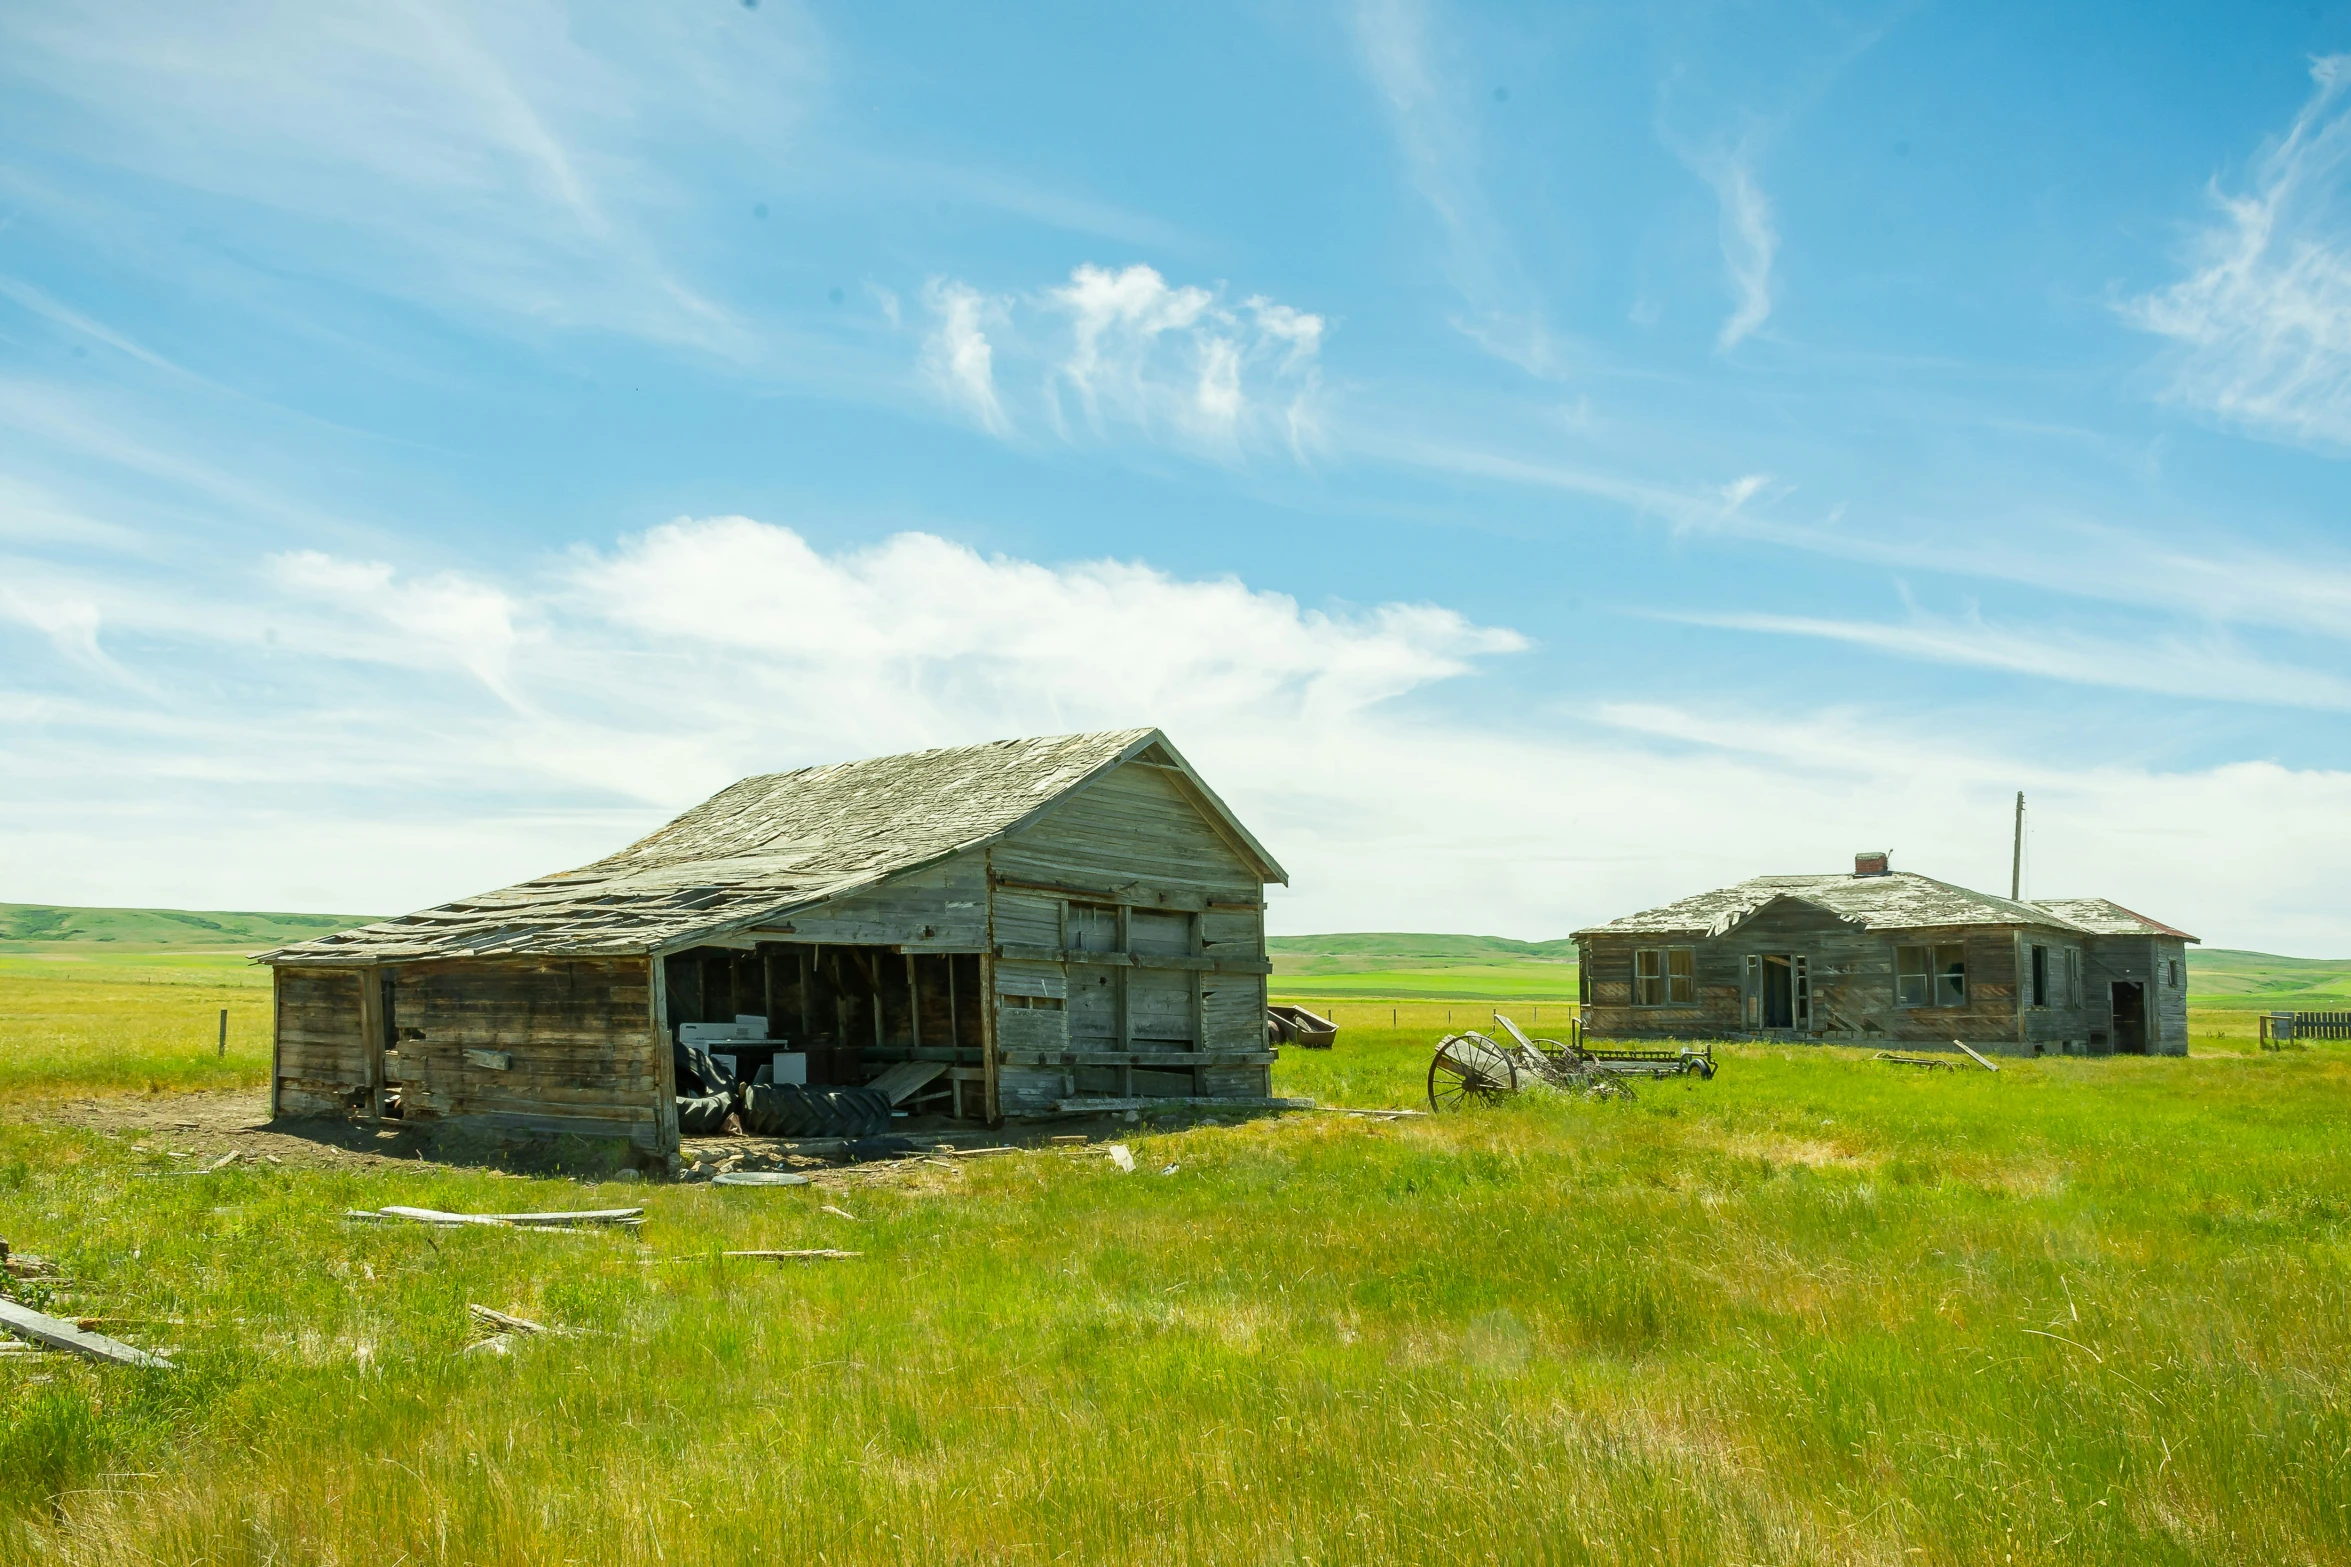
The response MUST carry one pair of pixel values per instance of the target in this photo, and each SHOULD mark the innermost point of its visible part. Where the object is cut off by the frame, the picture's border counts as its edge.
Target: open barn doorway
(837, 1015)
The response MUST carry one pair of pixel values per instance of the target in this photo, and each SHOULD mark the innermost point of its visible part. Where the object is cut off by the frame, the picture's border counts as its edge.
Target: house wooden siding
(1111, 942)
(1850, 970)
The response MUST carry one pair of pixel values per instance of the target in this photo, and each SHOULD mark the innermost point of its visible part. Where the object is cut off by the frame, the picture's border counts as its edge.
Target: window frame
(2040, 975)
(1944, 964)
(1655, 987)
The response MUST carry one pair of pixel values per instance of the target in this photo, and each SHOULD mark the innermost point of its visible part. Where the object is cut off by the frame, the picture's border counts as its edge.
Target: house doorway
(1779, 991)
(2130, 1017)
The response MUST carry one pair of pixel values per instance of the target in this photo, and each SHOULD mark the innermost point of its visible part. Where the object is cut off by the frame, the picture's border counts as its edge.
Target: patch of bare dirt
(205, 1125)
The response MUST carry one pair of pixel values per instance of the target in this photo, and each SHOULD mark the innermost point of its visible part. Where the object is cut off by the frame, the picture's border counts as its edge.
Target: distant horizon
(1271, 938)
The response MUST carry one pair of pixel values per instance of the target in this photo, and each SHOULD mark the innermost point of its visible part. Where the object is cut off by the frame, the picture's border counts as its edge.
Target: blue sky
(1537, 461)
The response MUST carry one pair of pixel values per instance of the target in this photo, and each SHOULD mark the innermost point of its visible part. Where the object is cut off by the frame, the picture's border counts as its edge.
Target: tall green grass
(1821, 1309)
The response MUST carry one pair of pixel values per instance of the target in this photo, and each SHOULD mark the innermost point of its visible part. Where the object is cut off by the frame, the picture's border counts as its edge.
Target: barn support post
(991, 1100)
(277, 1034)
(373, 1026)
(665, 1070)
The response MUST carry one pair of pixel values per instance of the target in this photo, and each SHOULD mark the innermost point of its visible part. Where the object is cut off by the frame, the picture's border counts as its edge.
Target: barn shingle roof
(1902, 900)
(762, 847)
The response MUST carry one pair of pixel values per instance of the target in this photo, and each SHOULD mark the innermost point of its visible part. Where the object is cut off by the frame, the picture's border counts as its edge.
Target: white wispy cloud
(957, 357)
(332, 740)
(1124, 349)
(2213, 666)
(1749, 242)
(2263, 324)
(1502, 310)
(497, 162)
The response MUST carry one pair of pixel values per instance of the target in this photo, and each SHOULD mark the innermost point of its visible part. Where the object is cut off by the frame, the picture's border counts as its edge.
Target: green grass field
(1818, 1310)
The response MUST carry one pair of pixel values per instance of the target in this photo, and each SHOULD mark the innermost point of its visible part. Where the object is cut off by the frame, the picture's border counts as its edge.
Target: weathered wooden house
(1884, 957)
(1054, 919)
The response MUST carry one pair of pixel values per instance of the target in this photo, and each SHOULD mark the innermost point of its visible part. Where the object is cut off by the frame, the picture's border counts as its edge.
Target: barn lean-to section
(1015, 925)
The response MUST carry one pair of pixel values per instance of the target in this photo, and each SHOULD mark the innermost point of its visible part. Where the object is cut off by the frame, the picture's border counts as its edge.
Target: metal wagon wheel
(1467, 1067)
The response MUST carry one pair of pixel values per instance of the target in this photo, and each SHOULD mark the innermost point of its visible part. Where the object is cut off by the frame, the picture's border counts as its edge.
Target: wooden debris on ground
(58, 1333)
(811, 1254)
(507, 1324)
(839, 1213)
(1927, 1061)
(1972, 1056)
(626, 1218)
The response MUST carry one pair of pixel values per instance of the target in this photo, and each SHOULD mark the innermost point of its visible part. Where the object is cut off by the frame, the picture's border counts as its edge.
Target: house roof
(2104, 917)
(1902, 900)
(767, 846)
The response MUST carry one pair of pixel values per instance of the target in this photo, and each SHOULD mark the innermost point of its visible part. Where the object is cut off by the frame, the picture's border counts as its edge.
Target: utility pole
(2016, 855)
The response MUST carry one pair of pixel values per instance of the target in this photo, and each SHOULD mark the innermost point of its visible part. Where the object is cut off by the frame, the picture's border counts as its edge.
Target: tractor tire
(704, 1115)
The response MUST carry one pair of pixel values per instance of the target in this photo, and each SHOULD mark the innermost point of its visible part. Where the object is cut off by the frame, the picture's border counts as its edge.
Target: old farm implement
(1473, 1065)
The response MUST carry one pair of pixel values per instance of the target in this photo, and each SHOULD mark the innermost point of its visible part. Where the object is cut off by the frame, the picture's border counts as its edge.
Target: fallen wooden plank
(622, 1216)
(1927, 1061)
(57, 1333)
(907, 1078)
(1978, 1060)
(814, 1254)
(504, 1323)
(1093, 1106)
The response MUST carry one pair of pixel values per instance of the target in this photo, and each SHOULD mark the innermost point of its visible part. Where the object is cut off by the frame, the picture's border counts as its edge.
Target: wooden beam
(57, 1333)
(1137, 895)
(1013, 952)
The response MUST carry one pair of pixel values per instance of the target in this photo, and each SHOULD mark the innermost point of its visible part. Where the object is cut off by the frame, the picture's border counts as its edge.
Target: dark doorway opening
(1779, 991)
(2130, 1017)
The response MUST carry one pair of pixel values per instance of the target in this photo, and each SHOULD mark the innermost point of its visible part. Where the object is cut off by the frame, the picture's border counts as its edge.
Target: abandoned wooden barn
(1881, 957)
(1045, 920)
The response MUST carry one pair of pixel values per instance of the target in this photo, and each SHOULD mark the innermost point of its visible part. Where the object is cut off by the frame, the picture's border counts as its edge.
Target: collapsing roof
(1899, 900)
(770, 845)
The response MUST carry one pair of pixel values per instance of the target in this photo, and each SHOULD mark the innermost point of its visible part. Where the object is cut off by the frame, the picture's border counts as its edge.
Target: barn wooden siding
(320, 1061)
(576, 1037)
(1129, 950)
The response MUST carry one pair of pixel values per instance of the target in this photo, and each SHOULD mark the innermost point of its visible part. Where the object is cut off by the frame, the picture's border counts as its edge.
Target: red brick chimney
(1878, 862)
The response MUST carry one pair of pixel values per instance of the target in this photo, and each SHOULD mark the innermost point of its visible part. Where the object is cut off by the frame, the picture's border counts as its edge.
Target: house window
(1930, 976)
(2040, 976)
(1665, 976)
(2171, 975)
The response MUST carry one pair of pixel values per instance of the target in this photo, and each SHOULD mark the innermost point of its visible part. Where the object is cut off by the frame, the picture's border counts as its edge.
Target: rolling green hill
(1372, 952)
(40, 927)
(2263, 982)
